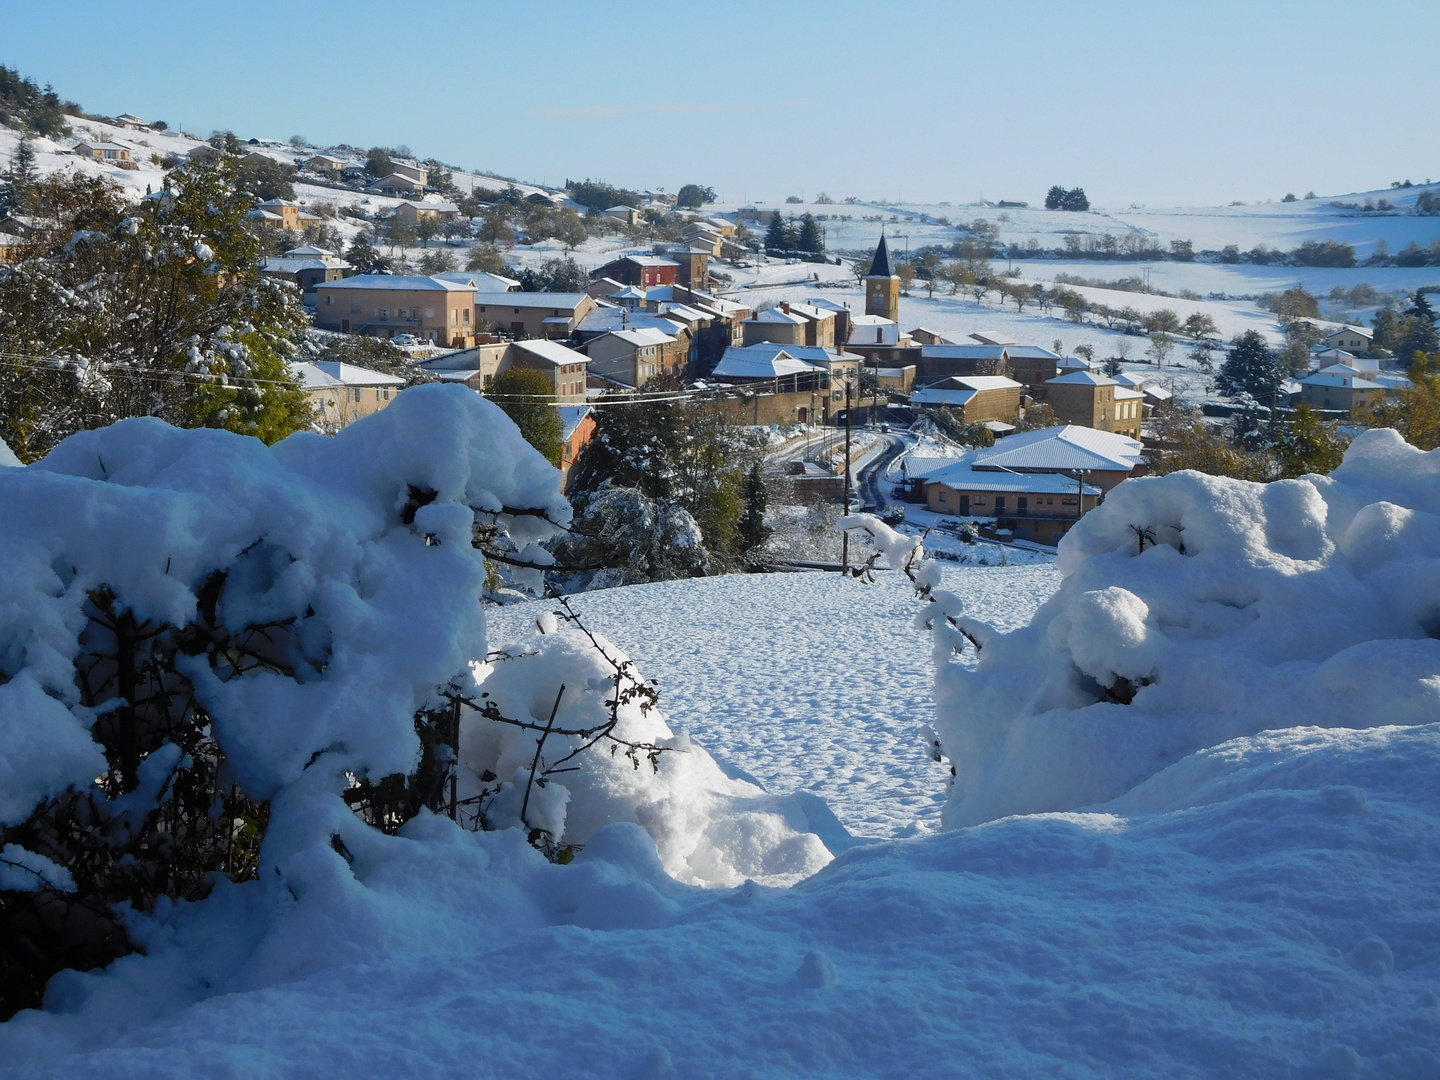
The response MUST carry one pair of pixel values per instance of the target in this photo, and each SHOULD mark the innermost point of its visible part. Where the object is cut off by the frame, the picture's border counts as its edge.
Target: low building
(130, 122)
(397, 183)
(1031, 364)
(1350, 338)
(899, 380)
(1342, 389)
(1324, 358)
(343, 393)
(577, 427)
(634, 357)
(641, 271)
(628, 214)
(938, 362)
(283, 215)
(566, 368)
(992, 337)
(1101, 457)
(412, 213)
(481, 281)
(532, 314)
(976, 398)
(873, 330)
(1041, 507)
(306, 268)
(384, 305)
(783, 384)
(325, 165)
(602, 287)
(102, 151)
(1088, 399)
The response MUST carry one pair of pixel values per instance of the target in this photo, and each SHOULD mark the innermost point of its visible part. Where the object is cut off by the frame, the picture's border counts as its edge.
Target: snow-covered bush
(221, 659)
(621, 536)
(1197, 609)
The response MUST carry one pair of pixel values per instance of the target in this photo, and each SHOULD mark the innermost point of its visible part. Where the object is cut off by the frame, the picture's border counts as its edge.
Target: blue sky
(1158, 103)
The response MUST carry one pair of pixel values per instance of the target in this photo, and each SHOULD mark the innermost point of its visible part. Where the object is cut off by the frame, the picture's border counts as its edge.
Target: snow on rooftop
(1065, 447)
(398, 282)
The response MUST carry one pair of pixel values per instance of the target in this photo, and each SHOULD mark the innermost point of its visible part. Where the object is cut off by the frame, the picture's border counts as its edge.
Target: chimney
(785, 306)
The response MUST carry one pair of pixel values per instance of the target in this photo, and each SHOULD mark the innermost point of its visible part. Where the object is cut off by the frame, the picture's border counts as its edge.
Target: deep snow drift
(1260, 905)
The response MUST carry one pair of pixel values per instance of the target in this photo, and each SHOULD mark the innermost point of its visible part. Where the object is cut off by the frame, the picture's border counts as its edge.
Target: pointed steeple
(880, 264)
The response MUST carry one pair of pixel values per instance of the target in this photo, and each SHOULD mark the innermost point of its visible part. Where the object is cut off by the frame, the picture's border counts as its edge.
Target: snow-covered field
(808, 681)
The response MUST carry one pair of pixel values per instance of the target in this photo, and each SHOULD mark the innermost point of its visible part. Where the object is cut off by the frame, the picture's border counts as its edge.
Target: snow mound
(1195, 610)
(316, 600)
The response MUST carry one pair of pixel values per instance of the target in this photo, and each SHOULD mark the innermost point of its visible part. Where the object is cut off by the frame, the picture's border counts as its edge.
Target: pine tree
(775, 234)
(810, 238)
(752, 531)
(1419, 307)
(364, 257)
(1055, 198)
(1251, 368)
(17, 189)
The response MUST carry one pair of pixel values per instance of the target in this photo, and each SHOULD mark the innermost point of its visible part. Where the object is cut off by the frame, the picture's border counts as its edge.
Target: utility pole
(845, 535)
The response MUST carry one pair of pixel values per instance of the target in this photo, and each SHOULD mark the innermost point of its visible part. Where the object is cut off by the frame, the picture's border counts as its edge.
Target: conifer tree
(1251, 368)
(752, 531)
(775, 234)
(810, 238)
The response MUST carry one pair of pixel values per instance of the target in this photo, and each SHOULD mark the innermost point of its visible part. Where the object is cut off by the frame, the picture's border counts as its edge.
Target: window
(354, 307)
(454, 316)
(466, 316)
(329, 298)
(356, 394)
(978, 500)
(429, 312)
(942, 496)
(1069, 502)
(1048, 502)
(382, 313)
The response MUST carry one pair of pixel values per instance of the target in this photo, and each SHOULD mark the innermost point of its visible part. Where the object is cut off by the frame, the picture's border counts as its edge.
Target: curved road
(871, 491)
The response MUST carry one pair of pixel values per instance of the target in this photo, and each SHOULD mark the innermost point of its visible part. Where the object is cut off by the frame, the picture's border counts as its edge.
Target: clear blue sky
(1153, 102)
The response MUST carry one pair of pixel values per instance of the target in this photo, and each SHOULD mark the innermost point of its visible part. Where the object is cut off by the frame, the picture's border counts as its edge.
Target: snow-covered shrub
(621, 536)
(1197, 609)
(221, 659)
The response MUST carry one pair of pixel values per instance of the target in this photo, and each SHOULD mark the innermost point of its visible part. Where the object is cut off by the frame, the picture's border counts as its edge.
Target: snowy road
(806, 681)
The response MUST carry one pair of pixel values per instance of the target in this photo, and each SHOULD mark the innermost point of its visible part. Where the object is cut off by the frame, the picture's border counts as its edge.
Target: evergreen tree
(1251, 367)
(527, 396)
(1055, 198)
(752, 531)
(19, 182)
(810, 238)
(1419, 307)
(1308, 446)
(1075, 200)
(364, 256)
(775, 234)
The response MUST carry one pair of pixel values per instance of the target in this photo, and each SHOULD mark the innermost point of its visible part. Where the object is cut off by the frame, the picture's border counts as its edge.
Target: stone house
(976, 398)
(1343, 389)
(1089, 400)
(384, 305)
(634, 357)
(343, 393)
(532, 314)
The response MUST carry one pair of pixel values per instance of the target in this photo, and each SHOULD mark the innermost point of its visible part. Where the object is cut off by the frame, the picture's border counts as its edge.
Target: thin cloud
(618, 112)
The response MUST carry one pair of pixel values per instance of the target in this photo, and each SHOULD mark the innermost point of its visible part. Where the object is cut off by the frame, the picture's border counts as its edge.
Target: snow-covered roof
(600, 318)
(641, 337)
(684, 311)
(814, 354)
(1030, 352)
(649, 260)
(427, 204)
(629, 292)
(1073, 363)
(482, 281)
(1126, 378)
(778, 315)
(1347, 378)
(1158, 393)
(1065, 447)
(1081, 378)
(278, 265)
(398, 283)
(752, 363)
(963, 474)
(571, 417)
(309, 251)
(943, 395)
(824, 303)
(1125, 393)
(870, 320)
(1361, 331)
(993, 337)
(963, 352)
(552, 352)
(556, 301)
(327, 374)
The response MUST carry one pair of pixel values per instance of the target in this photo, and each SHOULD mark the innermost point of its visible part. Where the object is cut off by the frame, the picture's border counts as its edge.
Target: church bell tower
(882, 287)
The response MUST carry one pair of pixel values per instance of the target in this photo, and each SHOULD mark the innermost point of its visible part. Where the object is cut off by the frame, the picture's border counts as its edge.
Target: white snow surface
(806, 682)
(1256, 898)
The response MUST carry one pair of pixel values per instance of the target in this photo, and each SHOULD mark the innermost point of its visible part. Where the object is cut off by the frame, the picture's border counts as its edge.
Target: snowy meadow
(1166, 807)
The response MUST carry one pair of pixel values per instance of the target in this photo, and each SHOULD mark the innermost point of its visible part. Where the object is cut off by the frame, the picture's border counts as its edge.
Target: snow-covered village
(801, 541)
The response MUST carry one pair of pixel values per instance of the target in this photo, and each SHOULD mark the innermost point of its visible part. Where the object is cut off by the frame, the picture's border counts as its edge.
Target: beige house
(343, 393)
(1350, 338)
(1088, 399)
(566, 367)
(412, 213)
(102, 151)
(325, 165)
(634, 357)
(976, 398)
(792, 324)
(532, 315)
(1343, 389)
(384, 305)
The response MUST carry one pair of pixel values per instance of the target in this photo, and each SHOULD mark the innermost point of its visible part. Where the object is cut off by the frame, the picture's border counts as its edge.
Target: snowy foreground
(1195, 828)
(807, 682)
